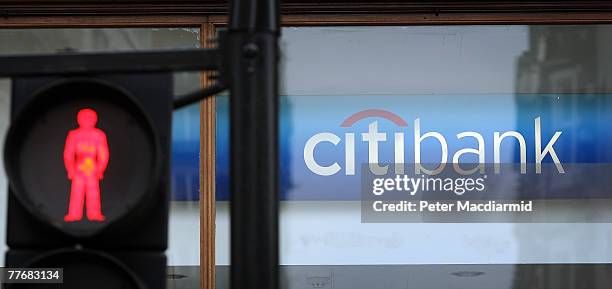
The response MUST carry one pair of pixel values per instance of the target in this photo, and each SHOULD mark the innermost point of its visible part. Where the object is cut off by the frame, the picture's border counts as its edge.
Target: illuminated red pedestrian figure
(85, 157)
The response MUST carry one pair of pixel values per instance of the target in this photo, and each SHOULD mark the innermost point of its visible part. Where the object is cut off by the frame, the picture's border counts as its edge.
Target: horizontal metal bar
(200, 94)
(107, 62)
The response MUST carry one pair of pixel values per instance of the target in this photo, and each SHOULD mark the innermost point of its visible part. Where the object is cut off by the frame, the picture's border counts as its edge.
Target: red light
(85, 157)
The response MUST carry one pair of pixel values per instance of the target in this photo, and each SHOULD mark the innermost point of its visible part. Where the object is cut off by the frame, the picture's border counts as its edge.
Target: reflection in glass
(451, 77)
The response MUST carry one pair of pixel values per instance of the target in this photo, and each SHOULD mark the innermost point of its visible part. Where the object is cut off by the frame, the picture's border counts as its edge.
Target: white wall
(331, 233)
(184, 234)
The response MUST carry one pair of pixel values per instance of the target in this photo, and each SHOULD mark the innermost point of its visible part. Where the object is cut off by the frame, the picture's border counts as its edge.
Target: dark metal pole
(252, 40)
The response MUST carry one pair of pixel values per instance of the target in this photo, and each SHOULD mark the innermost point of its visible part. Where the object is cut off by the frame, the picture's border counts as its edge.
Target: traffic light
(87, 158)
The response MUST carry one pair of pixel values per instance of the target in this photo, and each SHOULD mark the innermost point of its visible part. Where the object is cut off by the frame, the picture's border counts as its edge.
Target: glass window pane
(449, 79)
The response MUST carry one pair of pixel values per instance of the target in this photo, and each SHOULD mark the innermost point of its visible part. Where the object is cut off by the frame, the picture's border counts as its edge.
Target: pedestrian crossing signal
(87, 159)
(83, 155)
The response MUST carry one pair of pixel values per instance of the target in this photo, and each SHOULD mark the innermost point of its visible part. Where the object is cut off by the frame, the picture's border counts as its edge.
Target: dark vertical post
(254, 171)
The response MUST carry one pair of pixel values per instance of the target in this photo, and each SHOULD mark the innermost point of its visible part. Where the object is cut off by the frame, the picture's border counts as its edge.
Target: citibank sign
(373, 137)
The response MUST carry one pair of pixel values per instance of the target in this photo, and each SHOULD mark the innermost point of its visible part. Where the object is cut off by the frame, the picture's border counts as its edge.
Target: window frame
(210, 15)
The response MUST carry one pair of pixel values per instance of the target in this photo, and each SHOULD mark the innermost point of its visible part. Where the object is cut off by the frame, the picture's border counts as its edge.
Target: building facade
(448, 64)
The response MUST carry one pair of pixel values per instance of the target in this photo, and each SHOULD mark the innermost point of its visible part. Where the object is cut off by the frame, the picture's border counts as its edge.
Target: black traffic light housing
(134, 110)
